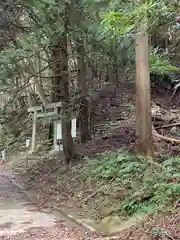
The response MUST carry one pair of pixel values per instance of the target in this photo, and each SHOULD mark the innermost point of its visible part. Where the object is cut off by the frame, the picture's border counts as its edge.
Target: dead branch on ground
(168, 139)
(168, 125)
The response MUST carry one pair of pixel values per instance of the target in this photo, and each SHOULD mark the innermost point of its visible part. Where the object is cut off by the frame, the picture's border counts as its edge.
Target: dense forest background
(114, 66)
(81, 52)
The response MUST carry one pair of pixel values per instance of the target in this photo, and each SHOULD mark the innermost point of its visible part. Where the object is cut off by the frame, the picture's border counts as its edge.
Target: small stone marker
(3, 154)
(27, 143)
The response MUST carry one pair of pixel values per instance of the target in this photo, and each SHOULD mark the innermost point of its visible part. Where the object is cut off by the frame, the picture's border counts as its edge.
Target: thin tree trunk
(144, 140)
(84, 103)
(31, 101)
(40, 90)
(39, 85)
(114, 61)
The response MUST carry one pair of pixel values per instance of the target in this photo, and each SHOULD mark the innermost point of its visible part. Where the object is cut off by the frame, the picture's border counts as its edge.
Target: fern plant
(149, 186)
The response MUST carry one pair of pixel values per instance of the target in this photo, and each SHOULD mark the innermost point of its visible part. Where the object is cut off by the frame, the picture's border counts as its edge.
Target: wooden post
(144, 140)
(55, 135)
(34, 132)
(26, 157)
(55, 130)
(39, 113)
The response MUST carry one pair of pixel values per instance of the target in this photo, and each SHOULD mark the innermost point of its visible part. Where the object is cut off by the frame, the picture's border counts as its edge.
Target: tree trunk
(144, 140)
(83, 86)
(30, 99)
(61, 90)
(114, 63)
(39, 84)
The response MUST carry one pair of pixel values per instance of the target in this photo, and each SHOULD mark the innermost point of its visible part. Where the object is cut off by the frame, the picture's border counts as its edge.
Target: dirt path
(22, 220)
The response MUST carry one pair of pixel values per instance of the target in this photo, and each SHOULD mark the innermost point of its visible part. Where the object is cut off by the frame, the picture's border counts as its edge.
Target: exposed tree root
(169, 125)
(168, 139)
(88, 197)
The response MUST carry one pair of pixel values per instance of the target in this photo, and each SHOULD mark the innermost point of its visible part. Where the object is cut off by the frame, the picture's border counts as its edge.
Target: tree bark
(83, 86)
(31, 101)
(61, 90)
(39, 84)
(144, 140)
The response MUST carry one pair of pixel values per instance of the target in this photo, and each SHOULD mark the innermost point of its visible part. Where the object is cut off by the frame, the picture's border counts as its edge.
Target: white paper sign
(73, 128)
(27, 143)
(3, 155)
(59, 132)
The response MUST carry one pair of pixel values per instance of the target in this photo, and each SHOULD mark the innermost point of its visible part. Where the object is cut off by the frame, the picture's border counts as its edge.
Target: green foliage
(124, 23)
(148, 185)
(160, 65)
(104, 26)
(159, 232)
(126, 20)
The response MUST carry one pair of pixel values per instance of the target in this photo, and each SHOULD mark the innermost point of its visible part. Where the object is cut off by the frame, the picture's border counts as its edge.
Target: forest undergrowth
(133, 184)
(109, 180)
(111, 183)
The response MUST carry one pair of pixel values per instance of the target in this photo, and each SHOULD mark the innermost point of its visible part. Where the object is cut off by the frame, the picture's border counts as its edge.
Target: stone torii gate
(50, 111)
